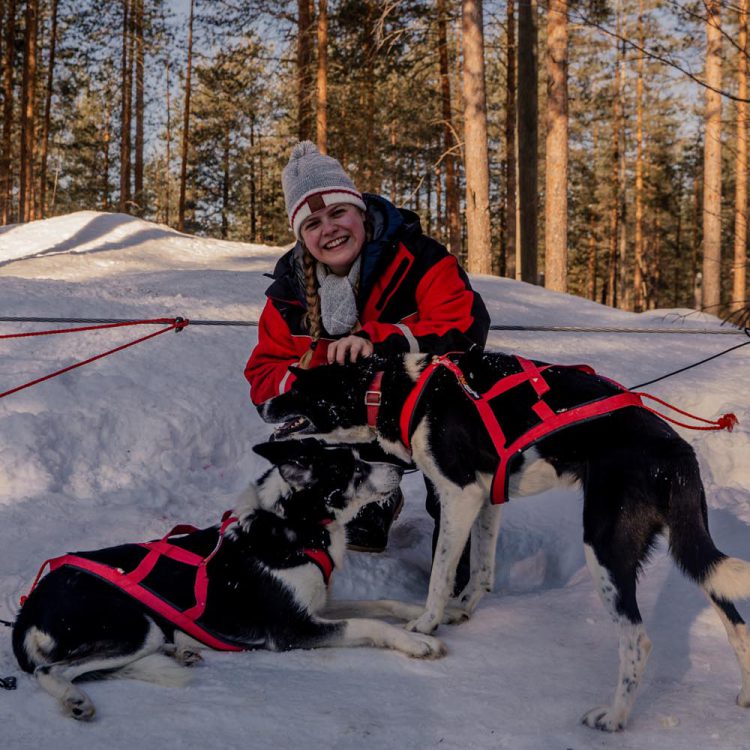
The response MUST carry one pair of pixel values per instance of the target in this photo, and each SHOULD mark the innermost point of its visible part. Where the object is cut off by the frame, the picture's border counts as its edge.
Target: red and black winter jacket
(413, 297)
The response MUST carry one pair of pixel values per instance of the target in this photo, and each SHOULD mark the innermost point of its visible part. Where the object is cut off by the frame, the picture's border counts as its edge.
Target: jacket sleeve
(449, 315)
(267, 369)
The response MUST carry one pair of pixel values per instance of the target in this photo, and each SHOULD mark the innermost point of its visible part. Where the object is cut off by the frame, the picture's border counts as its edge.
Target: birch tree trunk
(528, 129)
(712, 164)
(479, 258)
(321, 106)
(186, 123)
(452, 199)
(556, 154)
(739, 291)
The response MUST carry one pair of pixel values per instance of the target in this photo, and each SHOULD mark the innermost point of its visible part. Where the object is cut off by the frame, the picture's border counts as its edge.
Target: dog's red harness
(551, 421)
(132, 582)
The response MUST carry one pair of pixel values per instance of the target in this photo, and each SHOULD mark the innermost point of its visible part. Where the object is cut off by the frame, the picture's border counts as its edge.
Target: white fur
(363, 632)
(386, 608)
(159, 669)
(38, 644)
(459, 508)
(635, 647)
(730, 579)
(57, 679)
(535, 475)
(740, 642)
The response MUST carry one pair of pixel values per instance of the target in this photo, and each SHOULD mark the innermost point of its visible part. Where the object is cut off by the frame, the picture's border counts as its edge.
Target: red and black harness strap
(132, 583)
(550, 421)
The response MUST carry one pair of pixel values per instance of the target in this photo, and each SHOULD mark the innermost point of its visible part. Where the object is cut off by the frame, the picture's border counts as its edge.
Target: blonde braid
(312, 299)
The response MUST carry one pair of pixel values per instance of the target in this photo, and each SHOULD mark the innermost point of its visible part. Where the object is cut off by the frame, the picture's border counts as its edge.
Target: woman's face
(335, 235)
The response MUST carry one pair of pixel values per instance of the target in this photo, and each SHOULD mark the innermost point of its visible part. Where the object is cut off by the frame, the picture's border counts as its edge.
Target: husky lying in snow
(267, 584)
(640, 479)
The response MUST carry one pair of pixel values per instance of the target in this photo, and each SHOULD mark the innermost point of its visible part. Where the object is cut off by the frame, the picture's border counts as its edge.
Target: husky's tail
(691, 545)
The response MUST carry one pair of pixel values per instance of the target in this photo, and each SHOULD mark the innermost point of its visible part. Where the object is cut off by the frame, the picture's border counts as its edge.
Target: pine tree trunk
(321, 101)
(186, 123)
(225, 188)
(106, 140)
(614, 211)
(304, 69)
(452, 197)
(369, 84)
(475, 141)
(528, 110)
(168, 154)
(511, 164)
(28, 120)
(695, 243)
(615, 268)
(556, 154)
(712, 164)
(253, 190)
(47, 111)
(591, 265)
(623, 290)
(739, 291)
(125, 109)
(138, 195)
(639, 293)
(261, 191)
(6, 180)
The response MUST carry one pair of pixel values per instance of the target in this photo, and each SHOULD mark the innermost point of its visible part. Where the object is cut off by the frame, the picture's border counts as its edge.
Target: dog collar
(373, 397)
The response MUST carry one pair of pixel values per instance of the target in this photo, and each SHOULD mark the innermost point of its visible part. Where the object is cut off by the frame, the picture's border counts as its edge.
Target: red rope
(724, 422)
(175, 323)
(153, 321)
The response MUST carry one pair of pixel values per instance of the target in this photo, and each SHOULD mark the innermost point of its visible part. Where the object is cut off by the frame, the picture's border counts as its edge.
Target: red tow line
(173, 324)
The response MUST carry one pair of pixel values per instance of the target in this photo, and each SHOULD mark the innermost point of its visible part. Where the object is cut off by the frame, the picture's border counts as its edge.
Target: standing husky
(639, 478)
(267, 571)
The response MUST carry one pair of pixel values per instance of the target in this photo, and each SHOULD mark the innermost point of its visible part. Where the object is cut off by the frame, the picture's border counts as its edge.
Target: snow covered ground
(161, 433)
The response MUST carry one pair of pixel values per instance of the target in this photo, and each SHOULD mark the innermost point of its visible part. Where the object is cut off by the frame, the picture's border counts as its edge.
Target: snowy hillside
(161, 433)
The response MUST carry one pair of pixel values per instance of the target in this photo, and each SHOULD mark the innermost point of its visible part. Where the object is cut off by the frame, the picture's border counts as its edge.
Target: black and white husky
(264, 592)
(639, 478)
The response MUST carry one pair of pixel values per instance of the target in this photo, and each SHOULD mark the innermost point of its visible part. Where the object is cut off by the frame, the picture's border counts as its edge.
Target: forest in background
(597, 147)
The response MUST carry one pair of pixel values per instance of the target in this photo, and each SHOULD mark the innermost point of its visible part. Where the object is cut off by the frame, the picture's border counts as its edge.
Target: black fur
(639, 479)
(74, 623)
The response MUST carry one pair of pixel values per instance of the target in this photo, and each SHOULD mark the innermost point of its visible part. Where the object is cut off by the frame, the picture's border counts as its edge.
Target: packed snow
(162, 433)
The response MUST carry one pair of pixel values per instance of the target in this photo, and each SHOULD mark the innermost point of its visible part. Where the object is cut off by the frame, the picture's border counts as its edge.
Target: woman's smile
(335, 235)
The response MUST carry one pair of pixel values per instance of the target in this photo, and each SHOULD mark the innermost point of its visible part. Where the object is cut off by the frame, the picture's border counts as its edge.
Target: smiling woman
(362, 279)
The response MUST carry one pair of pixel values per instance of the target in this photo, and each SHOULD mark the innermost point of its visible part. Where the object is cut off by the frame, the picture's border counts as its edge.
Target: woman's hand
(351, 348)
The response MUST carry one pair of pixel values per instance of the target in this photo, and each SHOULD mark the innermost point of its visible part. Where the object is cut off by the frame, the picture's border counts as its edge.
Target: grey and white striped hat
(312, 181)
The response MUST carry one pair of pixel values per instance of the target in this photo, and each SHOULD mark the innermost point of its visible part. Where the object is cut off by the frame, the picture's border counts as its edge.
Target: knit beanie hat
(312, 181)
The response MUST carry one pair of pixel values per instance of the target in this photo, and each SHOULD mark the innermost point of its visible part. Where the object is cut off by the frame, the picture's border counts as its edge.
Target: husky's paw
(604, 719)
(743, 699)
(187, 657)
(426, 647)
(455, 614)
(426, 623)
(79, 707)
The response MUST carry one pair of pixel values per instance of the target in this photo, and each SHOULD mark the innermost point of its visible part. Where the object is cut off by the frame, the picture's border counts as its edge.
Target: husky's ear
(373, 453)
(296, 474)
(271, 450)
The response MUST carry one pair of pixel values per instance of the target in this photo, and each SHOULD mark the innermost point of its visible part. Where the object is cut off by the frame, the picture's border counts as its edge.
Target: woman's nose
(326, 225)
